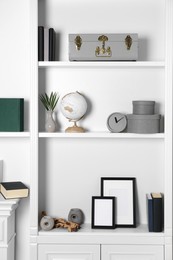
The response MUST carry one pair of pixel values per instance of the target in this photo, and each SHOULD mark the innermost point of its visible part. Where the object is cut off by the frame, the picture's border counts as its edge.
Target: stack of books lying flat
(13, 190)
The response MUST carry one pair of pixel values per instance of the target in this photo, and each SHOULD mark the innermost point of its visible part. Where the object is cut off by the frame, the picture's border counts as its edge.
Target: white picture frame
(103, 212)
(123, 189)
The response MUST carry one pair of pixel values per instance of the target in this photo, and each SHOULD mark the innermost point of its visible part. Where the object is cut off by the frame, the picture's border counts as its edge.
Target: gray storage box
(107, 47)
(143, 124)
(143, 107)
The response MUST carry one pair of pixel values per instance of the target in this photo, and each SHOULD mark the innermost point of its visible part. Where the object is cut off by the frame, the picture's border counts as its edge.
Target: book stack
(155, 212)
(14, 190)
(46, 44)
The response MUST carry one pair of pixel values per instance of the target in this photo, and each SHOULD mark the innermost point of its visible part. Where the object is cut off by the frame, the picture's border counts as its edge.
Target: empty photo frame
(123, 189)
(103, 212)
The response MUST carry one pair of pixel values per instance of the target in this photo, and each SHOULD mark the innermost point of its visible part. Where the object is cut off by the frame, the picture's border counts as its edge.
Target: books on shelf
(155, 212)
(150, 212)
(40, 43)
(52, 41)
(14, 190)
(46, 44)
(11, 114)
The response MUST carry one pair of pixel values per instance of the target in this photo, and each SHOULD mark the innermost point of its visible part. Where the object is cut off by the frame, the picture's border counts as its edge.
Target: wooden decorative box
(103, 47)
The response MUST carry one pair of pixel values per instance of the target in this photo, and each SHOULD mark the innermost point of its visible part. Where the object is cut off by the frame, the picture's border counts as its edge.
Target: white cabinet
(129, 252)
(7, 228)
(108, 252)
(69, 252)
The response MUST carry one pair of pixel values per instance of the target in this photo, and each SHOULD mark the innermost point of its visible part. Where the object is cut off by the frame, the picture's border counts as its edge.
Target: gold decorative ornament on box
(103, 51)
(78, 42)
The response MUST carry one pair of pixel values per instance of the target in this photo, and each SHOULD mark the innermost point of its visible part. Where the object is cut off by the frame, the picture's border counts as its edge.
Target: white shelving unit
(66, 168)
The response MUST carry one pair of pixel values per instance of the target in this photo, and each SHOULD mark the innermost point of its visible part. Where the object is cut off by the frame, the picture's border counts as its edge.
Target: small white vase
(50, 123)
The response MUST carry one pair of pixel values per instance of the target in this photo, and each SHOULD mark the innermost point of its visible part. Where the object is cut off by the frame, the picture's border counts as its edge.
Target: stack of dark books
(46, 44)
(155, 212)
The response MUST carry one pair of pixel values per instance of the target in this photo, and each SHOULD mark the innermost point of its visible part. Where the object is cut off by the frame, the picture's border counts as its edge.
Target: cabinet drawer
(69, 252)
(135, 252)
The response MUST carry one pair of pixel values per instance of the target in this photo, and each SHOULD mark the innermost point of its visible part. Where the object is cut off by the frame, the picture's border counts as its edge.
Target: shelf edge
(91, 64)
(15, 134)
(106, 135)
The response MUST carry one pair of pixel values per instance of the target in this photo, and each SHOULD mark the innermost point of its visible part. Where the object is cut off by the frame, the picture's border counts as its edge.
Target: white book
(46, 44)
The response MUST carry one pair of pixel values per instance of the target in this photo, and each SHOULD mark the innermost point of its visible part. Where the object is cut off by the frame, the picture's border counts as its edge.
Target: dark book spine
(150, 213)
(51, 44)
(157, 215)
(40, 43)
(21, 114)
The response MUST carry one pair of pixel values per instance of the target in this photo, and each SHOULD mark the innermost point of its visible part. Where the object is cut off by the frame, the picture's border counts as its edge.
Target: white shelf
(141, 230)
(15, 134)
(8, 204)
(137, 235)
(103, 64)
(102, 135)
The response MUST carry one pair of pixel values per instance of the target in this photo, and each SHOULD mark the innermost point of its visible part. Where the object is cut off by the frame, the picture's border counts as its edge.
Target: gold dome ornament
(74, 106)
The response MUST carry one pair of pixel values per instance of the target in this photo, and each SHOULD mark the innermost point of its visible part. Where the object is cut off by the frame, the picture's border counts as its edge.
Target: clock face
(116, 122)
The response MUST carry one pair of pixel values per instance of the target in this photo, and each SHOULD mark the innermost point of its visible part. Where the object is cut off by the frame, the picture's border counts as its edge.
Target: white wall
(14, 74)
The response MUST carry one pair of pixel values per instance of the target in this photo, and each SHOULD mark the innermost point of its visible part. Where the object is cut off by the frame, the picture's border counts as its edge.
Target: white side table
(7, 228)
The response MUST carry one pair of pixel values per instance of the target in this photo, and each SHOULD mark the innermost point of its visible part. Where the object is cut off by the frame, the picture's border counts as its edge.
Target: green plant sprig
(49, 102)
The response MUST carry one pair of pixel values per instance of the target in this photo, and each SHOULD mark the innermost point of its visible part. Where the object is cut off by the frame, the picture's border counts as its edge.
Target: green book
(11, 114)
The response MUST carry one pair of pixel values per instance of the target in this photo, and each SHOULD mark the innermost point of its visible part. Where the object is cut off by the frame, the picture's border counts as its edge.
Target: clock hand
(118, 119)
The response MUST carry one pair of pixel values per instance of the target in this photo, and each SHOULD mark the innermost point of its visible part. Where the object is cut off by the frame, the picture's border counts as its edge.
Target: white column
(7, 228)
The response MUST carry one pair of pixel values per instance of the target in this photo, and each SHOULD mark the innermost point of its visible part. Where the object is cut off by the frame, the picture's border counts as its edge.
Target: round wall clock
(116, 122)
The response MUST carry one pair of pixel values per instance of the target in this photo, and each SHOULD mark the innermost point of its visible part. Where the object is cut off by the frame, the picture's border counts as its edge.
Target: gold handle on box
(128, 42)
(78, 42)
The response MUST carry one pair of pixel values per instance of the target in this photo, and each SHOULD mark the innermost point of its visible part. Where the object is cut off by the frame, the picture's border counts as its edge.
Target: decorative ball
(76, 215)
(47, 223)
(73, 106)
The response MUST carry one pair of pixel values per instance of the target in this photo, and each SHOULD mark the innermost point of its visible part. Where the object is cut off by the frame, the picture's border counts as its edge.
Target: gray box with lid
(141, 107)
(143, 124)
(103, 47)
